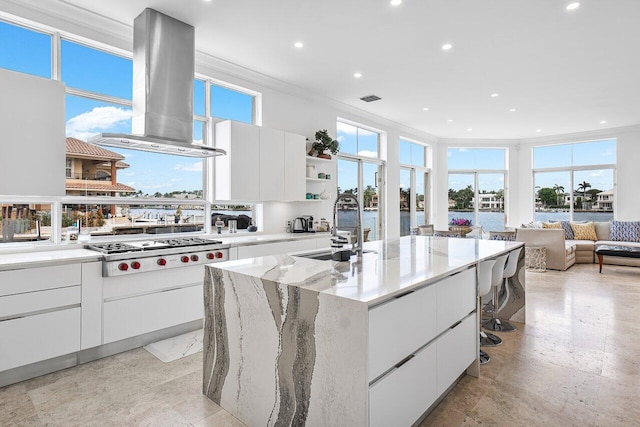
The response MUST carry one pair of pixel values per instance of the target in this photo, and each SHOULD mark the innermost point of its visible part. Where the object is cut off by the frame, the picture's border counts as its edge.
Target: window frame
(476, 173)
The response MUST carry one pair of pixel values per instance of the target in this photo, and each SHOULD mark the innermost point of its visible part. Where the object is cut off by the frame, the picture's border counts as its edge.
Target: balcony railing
(89, 177)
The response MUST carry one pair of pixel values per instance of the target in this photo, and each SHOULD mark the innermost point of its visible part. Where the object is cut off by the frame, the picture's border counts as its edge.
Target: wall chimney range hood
(163, 73)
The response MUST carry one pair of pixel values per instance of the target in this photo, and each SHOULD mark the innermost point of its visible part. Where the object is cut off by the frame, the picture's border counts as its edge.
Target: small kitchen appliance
(299, 225)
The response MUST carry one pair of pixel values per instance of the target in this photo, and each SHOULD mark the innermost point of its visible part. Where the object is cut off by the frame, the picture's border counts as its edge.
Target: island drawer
(456, 298)
(457, 348)
(402, 396)
(399, 327)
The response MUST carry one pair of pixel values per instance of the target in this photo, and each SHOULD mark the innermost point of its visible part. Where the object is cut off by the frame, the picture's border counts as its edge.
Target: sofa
(562, 253)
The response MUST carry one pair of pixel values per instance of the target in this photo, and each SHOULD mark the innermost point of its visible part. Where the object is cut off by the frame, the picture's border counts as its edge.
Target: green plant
(325, 142)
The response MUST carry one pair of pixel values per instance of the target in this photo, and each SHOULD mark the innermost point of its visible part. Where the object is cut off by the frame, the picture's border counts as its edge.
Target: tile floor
(575, 362)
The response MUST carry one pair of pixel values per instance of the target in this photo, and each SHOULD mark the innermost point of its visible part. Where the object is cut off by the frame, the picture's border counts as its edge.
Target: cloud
(367, 153)
(345, 128)
(191, 167)
(97, 120)
(129, 173)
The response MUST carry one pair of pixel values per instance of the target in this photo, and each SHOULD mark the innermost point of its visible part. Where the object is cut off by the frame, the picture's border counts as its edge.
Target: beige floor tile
(220, 419)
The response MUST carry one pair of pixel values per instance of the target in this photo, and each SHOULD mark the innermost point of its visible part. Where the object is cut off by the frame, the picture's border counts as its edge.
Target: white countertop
(393, 268)
(13, 261)
(44, 253)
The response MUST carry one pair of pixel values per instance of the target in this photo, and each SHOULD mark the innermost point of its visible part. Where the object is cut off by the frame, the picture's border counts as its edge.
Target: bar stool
(499, 277)
(485, 269)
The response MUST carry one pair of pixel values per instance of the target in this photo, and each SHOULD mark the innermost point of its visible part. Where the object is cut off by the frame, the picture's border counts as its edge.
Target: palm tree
(584, 186)
(559, 189)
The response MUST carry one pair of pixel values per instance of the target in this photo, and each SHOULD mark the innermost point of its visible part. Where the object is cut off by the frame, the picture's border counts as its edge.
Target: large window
(357, 141)
(25, 50)
(99, 99)
(413, 190)
(477, 186)
(360, 174)
(575, 181)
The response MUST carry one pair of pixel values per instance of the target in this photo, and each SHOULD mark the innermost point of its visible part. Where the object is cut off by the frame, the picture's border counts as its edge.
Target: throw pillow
(568, 231)
(507, 236)
(551, 225)
(533, 224)
(584, 231)
(625, 231)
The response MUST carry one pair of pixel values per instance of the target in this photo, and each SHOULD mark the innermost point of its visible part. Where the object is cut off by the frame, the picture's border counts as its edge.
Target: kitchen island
(377, 341)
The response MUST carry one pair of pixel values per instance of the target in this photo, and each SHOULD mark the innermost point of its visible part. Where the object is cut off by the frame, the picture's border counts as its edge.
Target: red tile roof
(81, 148)
(98, 186)
(119, 165)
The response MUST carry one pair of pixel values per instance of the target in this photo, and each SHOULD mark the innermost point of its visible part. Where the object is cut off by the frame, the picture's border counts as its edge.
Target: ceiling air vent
(370, 98)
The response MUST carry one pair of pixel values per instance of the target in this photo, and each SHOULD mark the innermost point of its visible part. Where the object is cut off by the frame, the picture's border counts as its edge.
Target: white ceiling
(564, 71)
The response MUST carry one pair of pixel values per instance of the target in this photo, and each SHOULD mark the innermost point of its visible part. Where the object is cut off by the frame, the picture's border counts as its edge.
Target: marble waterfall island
(293, 341)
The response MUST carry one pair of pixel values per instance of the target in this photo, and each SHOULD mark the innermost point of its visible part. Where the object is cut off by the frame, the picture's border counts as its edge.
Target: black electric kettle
(299, 225)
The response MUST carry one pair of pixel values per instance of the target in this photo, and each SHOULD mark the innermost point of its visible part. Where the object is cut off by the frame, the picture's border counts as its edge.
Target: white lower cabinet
(402, 396)
(456, 350)
(422, 342)
(399, 327)
(39, 337)
(39, 314)
(129, 317)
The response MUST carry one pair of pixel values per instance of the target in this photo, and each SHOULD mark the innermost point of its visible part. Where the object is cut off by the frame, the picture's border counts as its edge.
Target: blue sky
(103, 73)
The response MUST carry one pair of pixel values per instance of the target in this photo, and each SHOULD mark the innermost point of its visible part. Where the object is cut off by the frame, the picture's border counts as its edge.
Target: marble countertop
(391, 268)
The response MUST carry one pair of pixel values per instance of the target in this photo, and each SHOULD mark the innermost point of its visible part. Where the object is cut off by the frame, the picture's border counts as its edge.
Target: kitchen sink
(324, 255)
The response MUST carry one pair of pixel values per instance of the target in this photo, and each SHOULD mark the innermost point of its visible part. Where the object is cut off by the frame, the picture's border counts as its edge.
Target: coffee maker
(308, 224)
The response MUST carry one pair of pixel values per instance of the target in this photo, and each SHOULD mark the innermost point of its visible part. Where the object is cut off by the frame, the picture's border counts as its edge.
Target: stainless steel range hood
(163, 73)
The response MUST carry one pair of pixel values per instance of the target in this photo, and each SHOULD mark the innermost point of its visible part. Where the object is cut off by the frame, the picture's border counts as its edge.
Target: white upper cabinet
(271, 164)
(237, 173)
(294, 166)
(261, 164)
(33, 135)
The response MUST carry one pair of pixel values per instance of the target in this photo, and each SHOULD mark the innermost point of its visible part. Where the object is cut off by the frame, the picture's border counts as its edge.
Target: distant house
(92, 170)
(604, 201)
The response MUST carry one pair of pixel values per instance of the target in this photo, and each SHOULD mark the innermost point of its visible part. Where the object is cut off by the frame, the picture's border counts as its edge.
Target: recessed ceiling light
(450, 121)
(512, 110)
(495, 95)
(469, 129)
(573, 6)
(396, 2)
(298, 44)
(357, 75)
(447, 46)
(538, 130)
(425, 108)
(602, 122)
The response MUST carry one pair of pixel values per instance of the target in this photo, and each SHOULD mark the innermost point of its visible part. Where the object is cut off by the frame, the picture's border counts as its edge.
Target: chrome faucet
(349, 196)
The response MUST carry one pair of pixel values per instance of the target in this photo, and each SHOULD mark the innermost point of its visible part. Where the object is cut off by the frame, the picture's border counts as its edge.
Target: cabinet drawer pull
(38, 312)
(404, 294)
(405, 360)
(455, 324)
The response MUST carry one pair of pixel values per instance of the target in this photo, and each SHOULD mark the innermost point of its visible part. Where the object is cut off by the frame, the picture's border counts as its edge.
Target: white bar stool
(485, 269)
(508, 271)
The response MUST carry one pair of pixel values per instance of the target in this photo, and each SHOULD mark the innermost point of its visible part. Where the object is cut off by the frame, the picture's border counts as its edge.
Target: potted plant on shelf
(462, 225)
(324, 143)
